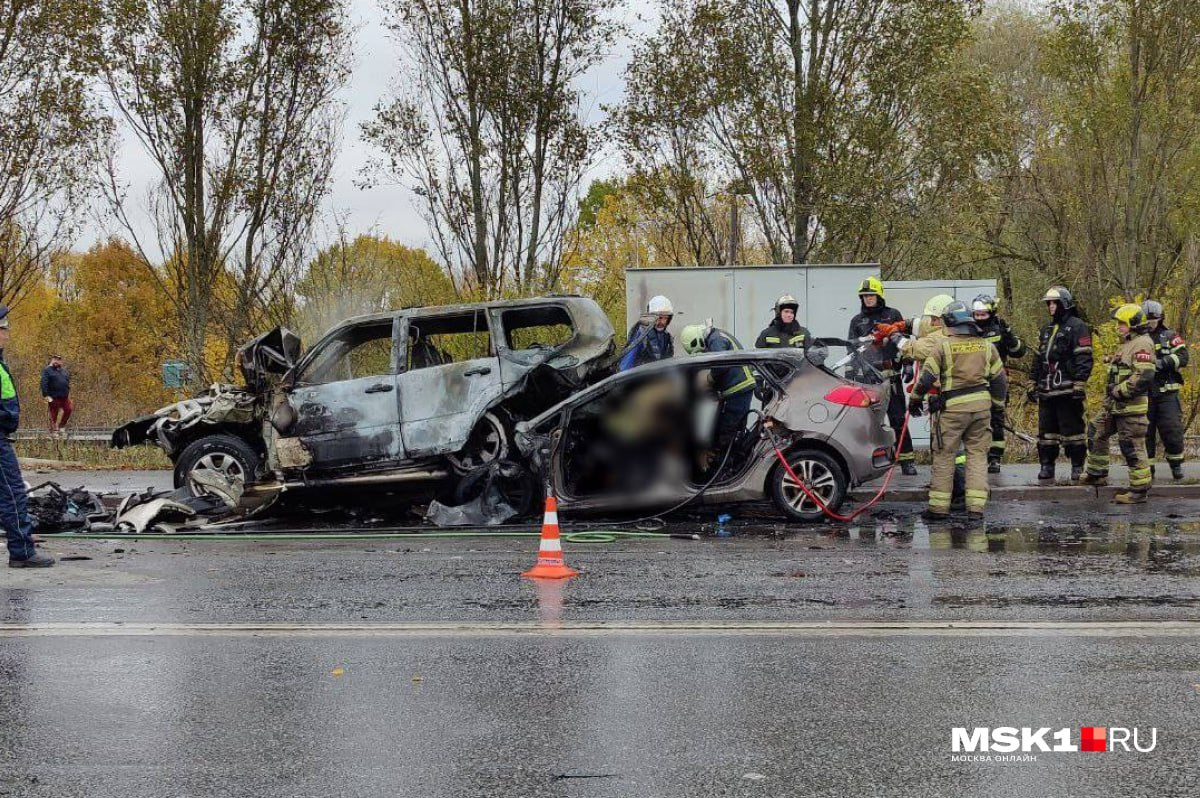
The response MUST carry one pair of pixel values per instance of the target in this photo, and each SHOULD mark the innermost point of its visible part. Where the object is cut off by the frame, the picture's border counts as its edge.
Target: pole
(733, 229)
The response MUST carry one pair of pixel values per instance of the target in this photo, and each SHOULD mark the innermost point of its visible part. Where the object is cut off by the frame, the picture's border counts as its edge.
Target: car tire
(226, 453)
(823, 476)
(491, 440)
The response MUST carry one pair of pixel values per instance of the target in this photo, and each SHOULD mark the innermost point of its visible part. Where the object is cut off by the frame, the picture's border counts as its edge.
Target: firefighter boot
(1176, 471)
(1131, 497)
(908, 468)
(1099, 480)
(993, 465)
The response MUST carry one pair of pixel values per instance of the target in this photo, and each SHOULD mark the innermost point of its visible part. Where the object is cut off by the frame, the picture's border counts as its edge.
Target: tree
(371, 274)
(488, 130)
(842, 120)
(51, 136)
(234, 101)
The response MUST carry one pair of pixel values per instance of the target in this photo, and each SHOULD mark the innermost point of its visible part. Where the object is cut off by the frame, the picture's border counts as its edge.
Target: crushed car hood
(270, 355)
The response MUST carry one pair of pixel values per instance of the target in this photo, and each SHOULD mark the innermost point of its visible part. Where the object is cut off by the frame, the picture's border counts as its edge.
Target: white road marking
(620, 628)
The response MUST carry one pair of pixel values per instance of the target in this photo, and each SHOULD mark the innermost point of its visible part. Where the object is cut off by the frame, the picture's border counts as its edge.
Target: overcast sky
(388, 209)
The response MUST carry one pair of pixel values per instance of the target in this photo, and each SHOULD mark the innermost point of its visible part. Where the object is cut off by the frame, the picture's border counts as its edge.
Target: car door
(450, 376)
(346, 398)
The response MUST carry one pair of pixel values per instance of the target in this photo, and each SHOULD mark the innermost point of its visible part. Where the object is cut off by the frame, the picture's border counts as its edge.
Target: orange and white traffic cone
(550, 563)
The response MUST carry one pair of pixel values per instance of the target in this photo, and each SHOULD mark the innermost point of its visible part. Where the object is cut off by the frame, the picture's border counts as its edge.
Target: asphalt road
(828, 661)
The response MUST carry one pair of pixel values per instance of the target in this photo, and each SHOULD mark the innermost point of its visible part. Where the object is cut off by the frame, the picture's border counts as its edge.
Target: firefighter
(648, 339)
(1000, 335)
(785, 331)
(886, 358)
(1126, 404)
(1166, 416)
(734, 384)
(971, 379)
(1058, 380)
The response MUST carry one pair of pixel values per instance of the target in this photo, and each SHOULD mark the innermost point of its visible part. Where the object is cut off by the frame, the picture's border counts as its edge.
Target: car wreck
(646, 439)
(419, 396)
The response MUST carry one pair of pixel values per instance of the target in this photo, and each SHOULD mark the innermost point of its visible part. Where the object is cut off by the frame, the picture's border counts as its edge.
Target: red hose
(883, 488)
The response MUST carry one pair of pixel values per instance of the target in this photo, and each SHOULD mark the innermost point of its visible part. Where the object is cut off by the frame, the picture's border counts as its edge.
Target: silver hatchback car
(646, 438)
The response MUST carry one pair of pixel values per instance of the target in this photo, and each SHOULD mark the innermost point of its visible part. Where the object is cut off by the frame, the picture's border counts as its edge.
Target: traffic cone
(550, 563)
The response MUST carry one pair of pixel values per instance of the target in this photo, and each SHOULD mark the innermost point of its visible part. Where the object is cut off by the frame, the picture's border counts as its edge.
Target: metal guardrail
(73, 434)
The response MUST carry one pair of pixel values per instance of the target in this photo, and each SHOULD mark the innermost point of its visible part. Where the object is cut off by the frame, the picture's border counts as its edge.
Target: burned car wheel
(820, 473)
(227, 455)
(489, 442)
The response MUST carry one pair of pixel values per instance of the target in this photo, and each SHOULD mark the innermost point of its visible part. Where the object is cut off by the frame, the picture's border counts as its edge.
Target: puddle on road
(1154, 545)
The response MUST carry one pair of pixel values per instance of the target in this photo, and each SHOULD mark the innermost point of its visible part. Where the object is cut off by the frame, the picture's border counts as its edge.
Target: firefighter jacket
(734, 379)
(997, 332)
(1131, 377)
(778, 335)
(1064, 358)
(1170, 358)
(968, 370)
(885, 357)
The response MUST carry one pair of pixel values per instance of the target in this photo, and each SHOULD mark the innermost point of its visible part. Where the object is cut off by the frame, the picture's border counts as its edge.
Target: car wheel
(489, 442)
(820, 473)
(228, 455)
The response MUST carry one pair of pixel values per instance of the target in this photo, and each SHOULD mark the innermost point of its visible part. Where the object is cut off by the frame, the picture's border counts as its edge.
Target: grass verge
(96, 455)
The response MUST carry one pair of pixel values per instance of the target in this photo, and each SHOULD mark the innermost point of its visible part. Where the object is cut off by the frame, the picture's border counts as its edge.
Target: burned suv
(418, 395)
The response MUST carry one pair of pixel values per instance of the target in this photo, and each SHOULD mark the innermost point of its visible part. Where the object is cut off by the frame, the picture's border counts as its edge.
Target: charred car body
(644, 438)
(418, 395)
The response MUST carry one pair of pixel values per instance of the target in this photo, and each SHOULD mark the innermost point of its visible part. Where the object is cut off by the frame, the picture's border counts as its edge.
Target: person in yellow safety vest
(1126, 406)
(972, 380)
(734, 384)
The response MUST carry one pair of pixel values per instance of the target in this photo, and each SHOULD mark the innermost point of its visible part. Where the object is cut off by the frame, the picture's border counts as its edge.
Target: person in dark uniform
(649, 339)
(1058, 380)
(784, 331)
(1166, 415)
(886, 358)
(996, 331)
(14, 503)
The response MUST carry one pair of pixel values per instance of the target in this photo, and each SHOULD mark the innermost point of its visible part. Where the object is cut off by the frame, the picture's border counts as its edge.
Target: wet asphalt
(829, 660)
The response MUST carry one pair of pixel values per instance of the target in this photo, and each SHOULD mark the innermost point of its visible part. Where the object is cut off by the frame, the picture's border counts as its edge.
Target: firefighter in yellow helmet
(886, 358)
(1126, 405)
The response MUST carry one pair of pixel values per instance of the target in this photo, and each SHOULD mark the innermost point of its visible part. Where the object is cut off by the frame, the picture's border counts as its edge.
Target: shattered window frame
(448, 352)
(331, 352)
(514, 321)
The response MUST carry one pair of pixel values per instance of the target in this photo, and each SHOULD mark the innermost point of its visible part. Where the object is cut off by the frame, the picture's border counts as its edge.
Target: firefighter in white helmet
(648, 339)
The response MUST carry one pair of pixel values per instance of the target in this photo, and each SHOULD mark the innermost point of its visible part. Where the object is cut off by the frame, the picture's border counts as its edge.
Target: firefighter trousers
(973, 429)
(1061, 423)
(1166, 418)
(1131, 439)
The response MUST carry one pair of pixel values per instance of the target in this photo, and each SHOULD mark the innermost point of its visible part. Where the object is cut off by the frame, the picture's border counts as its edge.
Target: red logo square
(1092, 738)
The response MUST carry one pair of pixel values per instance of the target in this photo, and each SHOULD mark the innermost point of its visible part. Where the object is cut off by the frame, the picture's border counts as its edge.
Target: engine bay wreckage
(416, 398)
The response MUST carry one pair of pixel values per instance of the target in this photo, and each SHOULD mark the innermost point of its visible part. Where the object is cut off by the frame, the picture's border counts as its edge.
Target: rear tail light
(851, 396)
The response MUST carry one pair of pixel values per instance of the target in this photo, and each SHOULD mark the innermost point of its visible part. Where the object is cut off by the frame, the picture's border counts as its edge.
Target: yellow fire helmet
(1131, 316)
(692, 337)
(871, 285)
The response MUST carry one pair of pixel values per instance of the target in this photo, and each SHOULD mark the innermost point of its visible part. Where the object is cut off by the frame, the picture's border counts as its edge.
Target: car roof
(467, 307)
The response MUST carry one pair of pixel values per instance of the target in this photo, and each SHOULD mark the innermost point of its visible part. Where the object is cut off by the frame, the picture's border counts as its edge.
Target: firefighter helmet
(659, 304)
(1059, 294)
(985, 303)
(1131, 316)
(1152, 309)
(692, 337)
(787, 301)
(957, 314)
(871, 285)
(936, 305)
